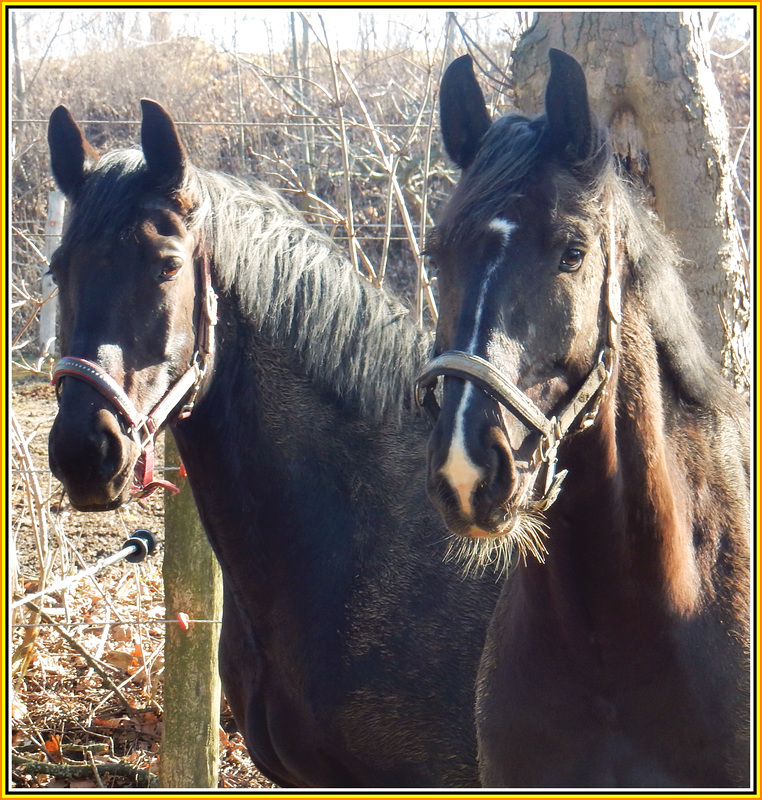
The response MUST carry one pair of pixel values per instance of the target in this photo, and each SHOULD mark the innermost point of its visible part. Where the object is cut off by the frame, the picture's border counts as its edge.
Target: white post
(53, 226)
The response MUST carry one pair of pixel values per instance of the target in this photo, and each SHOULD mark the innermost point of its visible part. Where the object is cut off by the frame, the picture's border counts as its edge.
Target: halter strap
(143, 428)
(470, 367)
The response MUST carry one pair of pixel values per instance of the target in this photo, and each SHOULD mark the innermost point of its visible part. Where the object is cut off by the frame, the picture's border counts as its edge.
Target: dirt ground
(88, 668)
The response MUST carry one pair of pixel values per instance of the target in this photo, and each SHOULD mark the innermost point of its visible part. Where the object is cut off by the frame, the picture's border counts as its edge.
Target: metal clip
(551, 494)
(548, 446)
(550, 473)
(186, 410)
(145, 431)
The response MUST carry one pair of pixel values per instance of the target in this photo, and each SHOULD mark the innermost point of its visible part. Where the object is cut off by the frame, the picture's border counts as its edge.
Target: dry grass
(87, 661)
(354, 146)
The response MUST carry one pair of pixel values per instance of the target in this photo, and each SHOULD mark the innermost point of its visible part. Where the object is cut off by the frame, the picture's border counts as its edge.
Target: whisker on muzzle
(525, 537)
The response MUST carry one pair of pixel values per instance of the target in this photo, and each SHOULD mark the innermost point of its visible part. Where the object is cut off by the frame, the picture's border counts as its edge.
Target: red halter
(143, 429)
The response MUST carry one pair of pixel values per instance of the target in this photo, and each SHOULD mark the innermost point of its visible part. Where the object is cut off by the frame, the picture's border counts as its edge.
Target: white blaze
(459, 470)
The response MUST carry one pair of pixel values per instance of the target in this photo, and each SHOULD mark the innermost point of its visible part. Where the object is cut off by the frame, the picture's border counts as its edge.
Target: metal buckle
(199, 365)
(145, 431)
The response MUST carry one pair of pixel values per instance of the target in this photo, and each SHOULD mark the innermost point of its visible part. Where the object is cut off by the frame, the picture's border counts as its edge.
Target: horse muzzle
(488, 512)
(508, 497)
(89, 453)
(472, 479)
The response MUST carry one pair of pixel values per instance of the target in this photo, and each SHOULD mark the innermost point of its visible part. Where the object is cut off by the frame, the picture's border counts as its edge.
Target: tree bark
(650, 81)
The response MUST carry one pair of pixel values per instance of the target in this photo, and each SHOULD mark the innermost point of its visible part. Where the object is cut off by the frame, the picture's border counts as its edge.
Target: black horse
(349, 649)
(584, 426)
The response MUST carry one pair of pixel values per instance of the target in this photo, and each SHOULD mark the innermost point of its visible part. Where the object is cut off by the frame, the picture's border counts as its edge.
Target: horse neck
(652, 454)
(654, 506)
(267, 449)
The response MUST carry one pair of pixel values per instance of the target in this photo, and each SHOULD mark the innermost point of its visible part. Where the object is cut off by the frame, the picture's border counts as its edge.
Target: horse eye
(571, 260)
(170, 267)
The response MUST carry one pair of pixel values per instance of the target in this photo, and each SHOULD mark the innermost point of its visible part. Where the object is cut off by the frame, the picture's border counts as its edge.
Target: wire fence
(360, 159)
(355, 147)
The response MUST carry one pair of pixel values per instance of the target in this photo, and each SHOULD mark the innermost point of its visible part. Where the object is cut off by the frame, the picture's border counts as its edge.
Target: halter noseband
(581, 410)
(143, 428)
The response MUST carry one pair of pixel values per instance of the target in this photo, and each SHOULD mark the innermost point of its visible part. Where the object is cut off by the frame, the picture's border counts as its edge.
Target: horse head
(127, 272)
(527, 289)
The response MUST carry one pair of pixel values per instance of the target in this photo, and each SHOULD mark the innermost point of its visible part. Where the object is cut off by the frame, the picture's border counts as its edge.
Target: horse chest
(562, 704)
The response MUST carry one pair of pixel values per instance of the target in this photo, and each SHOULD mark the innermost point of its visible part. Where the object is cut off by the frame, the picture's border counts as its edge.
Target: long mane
(354, 339)
(655, 265)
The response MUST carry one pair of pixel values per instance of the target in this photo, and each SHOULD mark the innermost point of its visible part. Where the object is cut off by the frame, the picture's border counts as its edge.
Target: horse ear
(463, 113)
(71, 155)
(162, 150)
(570, 124)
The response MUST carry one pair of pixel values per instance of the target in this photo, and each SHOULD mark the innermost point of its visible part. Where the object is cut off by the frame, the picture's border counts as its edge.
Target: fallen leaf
(18, 708)
(119, 659)
(53, 748)
(121, 633)
(106, 723)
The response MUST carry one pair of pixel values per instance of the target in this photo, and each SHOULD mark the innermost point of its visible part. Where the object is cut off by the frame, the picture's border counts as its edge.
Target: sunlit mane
(355, 340)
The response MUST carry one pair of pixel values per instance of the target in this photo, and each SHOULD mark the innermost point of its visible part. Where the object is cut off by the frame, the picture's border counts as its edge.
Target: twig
(726, 56)
(38, 304)
(90, 660)
(18, 232)
(334, 216)
(94, 768)
(349, 217)
(422, 279)
(36, 503)
(471, 43)
(390, 166)
(120, 768)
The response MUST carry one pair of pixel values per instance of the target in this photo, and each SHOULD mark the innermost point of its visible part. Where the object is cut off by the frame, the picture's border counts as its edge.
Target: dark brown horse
(584, 426)
(349, 649)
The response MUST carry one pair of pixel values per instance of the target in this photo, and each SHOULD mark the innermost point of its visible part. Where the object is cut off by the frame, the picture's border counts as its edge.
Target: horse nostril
(82, 449)
(108, 436)
(500, 481)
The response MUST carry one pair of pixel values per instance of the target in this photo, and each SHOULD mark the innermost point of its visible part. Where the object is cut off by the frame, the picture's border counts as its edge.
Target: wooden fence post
(192, 586)
(53, 226)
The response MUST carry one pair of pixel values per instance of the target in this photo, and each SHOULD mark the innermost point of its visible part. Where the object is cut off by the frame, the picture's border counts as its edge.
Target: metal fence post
(49, 308)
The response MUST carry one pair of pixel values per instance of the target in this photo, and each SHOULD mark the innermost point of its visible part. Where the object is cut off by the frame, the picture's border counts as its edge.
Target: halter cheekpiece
(578, 414)
(144, 428)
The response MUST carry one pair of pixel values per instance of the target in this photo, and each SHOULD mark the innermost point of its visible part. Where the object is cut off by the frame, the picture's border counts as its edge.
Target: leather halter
(578, 414)
(144, 428)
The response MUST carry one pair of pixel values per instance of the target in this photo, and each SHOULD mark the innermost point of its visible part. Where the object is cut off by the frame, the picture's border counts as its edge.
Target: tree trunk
(19, 84)
(651, 82)
(161, 26)
(193, 586)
